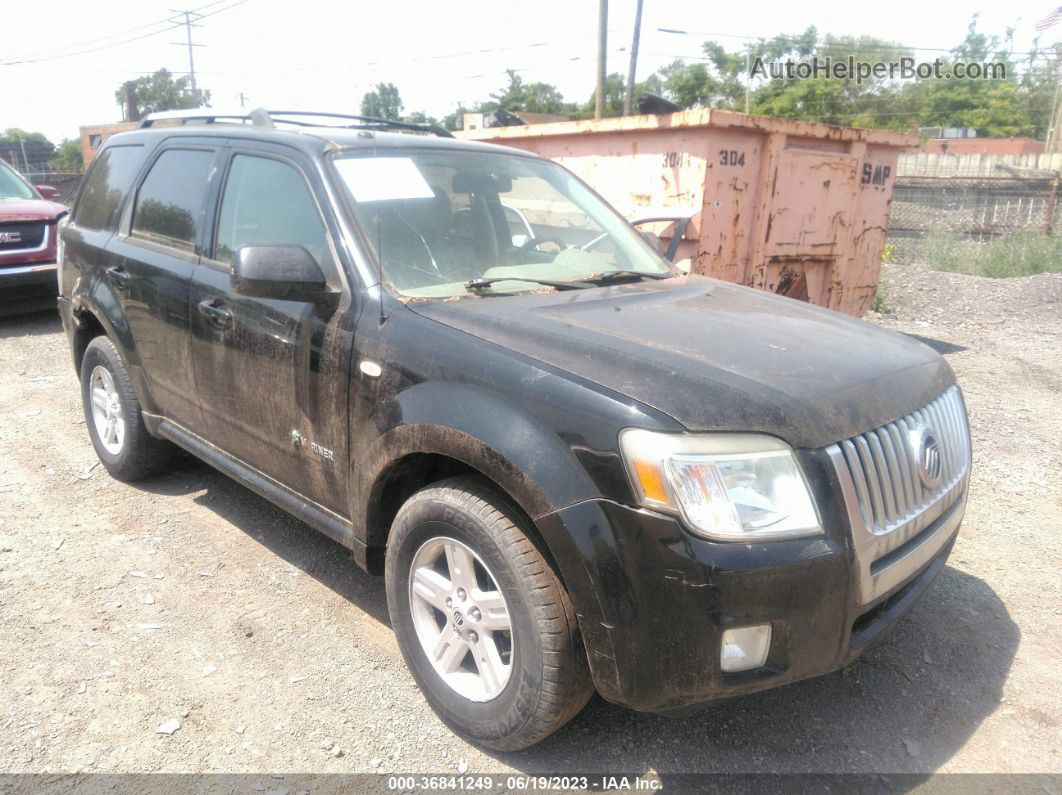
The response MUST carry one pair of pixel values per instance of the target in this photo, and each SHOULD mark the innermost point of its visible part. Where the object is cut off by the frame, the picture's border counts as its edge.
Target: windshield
(446, 223)
(12, 186)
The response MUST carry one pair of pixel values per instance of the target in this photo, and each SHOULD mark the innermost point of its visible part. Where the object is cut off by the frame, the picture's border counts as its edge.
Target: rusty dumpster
(792, 207)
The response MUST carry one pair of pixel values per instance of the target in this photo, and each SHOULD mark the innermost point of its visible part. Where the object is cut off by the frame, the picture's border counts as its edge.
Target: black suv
(575, 467)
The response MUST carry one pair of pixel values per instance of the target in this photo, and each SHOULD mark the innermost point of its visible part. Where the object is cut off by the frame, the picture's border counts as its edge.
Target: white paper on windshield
(374, 179)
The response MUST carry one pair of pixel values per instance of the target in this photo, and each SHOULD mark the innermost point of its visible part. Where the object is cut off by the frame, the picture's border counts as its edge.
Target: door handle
(119, 276)
(216, 312)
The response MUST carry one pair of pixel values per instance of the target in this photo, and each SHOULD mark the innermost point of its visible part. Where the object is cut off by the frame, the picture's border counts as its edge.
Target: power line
(102, 38)
(91, 50)
(796, 37)
(169, 26)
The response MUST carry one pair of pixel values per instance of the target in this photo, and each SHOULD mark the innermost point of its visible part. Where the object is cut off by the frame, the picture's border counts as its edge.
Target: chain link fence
(991, 218)
(66, 183)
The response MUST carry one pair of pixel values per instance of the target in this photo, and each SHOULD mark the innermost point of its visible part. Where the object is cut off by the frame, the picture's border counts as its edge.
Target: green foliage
(455, 120)
(68, 156)
(1022, 254)
(1019, 104)
(160, 91)
(31, 150)
(383, 102)
(615, 90)
(880, 304)
(530, 97)
(420, 117)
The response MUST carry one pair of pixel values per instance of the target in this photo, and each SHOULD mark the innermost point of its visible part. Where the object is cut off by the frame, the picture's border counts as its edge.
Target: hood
(29, 210)
(716, 356)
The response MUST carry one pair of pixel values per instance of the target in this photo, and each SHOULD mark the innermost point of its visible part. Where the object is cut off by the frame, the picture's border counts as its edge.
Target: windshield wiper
(619, 276)
(480, 284)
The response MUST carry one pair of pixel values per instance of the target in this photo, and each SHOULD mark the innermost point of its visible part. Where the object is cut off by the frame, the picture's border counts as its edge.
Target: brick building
(93, 136)
(983, 146)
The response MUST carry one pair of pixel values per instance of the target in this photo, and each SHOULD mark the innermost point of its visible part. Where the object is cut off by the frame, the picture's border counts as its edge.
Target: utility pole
(628, 100)
(748, 77)
(189, 21)
(1054, 129)
(25, 160)
(243, 98)
(602, 53)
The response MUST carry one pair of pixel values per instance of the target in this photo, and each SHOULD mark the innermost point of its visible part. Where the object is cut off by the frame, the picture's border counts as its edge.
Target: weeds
(880, 304)
(1023, 254)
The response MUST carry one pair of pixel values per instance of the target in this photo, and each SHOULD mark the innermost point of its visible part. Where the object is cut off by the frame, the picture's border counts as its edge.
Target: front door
(272, 376)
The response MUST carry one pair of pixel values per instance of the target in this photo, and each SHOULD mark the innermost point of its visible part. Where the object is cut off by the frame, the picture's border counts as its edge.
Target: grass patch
(1023, 254)
(880, 304)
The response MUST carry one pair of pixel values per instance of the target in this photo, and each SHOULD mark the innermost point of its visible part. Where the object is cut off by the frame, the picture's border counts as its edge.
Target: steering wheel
(535, 242)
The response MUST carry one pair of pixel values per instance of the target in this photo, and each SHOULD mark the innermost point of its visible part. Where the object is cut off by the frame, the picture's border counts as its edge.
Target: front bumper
(27, 288)
(653, 599)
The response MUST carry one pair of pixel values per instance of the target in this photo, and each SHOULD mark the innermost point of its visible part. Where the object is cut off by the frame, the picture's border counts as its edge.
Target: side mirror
(47, 191)
(286, 273)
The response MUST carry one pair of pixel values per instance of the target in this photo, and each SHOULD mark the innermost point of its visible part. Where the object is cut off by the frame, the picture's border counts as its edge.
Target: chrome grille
(21, 235)
(884, 466)
(898, 523)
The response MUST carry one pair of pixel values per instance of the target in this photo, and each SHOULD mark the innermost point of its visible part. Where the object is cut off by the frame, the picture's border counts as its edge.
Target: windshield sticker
(375, 179)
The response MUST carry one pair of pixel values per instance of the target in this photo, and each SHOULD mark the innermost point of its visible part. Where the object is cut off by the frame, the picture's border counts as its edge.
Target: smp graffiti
(875, 175)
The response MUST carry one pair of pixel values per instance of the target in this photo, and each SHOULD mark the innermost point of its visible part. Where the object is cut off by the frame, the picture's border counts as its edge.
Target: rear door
(97, 212)
(149, 264)
(272, 376)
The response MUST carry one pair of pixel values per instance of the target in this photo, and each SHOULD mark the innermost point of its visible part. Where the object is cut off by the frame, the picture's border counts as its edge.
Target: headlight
(728, 487)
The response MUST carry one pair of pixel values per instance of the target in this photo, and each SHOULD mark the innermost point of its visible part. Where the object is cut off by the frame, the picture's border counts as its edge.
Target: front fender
(470, 424)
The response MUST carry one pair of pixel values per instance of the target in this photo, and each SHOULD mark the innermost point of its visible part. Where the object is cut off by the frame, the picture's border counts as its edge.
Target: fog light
(745, 648)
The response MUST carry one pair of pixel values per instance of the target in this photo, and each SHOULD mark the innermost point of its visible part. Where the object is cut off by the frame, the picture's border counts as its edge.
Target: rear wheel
(482, 620)
(113, 417)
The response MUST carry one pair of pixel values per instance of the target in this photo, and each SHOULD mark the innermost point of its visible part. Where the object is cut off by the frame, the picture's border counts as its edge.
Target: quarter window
(106, 186)
(268, 203)
(170, 204)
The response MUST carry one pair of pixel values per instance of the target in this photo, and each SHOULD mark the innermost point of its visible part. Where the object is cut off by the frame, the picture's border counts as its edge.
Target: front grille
(19, 236)
(884, 467)
(898, 523)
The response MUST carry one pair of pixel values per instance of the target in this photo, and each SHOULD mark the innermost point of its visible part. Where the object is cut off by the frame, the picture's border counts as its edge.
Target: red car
(28, 235)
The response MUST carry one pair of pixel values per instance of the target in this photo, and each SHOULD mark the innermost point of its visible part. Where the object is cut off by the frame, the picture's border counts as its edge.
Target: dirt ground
(189, 599)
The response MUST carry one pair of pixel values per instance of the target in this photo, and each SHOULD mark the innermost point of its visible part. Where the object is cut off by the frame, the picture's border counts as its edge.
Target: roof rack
(260, 117)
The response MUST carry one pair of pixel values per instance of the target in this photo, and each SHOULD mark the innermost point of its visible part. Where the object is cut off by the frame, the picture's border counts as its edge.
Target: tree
(456, 120)
(1038, 81)
(1018, 104)
(159, 91)
(420, 117)
(30, 150)
(615, 90)
(68, 156)
(384, 102)
(530, 97)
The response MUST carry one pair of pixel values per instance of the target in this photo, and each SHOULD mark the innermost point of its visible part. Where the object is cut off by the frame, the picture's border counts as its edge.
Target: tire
(548, 679)
(130, 452)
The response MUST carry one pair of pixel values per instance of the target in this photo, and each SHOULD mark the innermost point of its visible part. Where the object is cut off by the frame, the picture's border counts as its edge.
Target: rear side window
(170, 204)
(268, 203)
(106, 186)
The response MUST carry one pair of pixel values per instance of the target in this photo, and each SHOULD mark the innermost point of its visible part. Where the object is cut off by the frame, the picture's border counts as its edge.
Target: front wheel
(482, 620)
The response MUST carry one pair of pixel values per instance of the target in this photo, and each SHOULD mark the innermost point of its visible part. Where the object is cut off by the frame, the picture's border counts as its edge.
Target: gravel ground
(189, 602)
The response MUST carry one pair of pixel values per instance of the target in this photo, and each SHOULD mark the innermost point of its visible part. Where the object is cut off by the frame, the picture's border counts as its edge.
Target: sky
(321, 55)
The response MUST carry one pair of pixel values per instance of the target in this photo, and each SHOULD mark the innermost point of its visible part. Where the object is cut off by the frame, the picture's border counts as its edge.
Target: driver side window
(268, 203)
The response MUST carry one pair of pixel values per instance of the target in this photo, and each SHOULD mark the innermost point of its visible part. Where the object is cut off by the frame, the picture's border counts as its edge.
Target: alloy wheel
(461, 618)
(107, 413)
